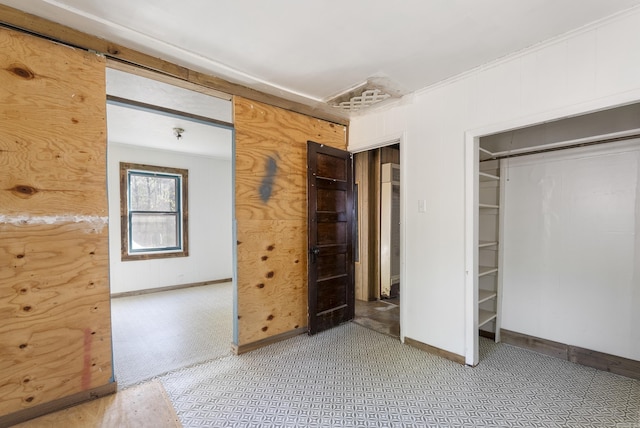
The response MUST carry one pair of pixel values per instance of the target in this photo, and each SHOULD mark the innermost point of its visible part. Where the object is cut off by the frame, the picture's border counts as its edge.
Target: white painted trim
(502, 200)
(472, 354)
(402, 139)
(387, 140)
(635, 131)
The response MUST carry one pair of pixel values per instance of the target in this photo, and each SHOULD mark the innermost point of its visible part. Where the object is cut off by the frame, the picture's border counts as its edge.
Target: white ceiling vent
(373, 91)
(368, 98)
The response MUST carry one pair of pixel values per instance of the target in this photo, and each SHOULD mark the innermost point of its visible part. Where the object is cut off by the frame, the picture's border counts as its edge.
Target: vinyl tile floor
(351, 376)
(160, 332)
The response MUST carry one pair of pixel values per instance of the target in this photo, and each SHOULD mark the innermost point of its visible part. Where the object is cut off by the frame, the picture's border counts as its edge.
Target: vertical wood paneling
(55, 337)
(271, 213)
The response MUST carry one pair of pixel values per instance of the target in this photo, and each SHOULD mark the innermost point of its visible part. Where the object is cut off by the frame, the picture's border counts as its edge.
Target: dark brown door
(330, 190)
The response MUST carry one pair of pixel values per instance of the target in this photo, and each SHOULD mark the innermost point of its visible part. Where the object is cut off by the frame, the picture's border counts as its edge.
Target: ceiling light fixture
(178, 132)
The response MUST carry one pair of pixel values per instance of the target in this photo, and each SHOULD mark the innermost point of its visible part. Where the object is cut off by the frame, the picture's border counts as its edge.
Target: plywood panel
(53, 119)
(272, 123)
(54, 306)
(54, 291)
(272, 272)
(271, 211)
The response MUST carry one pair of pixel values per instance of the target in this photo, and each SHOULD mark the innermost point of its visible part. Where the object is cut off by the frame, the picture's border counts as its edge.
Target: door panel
(331, 232)
(330, 192)
(331, 265)
(331, 293)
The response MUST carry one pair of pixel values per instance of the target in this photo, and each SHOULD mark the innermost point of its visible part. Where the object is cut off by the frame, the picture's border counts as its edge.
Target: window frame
(126, 250)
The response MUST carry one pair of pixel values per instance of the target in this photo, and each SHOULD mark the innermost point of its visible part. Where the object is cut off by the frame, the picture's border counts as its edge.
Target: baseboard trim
(55, 405)
(586, 357)
(168, 288)
(247, 347)
(433, 350)
(487, 334)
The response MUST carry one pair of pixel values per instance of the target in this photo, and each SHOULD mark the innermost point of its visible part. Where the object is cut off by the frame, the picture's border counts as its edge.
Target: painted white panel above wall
(570, 247)
(131, 124)
(618, 55)
(149, 91)
(581, 66)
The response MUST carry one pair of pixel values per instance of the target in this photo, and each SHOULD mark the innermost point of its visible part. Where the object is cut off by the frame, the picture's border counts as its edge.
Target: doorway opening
(377, 255)
(169, 310)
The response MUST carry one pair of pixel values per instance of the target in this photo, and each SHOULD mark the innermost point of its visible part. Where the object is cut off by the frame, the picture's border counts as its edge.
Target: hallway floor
(382, 316)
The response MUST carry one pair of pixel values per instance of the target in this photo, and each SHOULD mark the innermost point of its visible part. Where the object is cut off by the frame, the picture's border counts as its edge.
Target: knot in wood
(21, 71)
(24, 190)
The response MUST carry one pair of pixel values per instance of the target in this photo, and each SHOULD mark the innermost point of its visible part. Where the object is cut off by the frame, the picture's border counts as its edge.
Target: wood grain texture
(31, 413)
(273, 123)
(55, 335)
(271, 211)
(55, 311)
(146, 405)
(53, 125)
(272, 286)
(361, 271)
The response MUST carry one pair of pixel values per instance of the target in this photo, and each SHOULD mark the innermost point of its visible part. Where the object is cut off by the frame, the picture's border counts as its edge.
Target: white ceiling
(310, 51)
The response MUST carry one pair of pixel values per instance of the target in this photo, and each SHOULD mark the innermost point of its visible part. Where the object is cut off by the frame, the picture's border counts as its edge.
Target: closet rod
(570, 146)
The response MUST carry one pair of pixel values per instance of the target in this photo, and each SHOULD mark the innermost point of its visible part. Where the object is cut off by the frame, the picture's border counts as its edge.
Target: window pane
(149, 193)
(149, 231)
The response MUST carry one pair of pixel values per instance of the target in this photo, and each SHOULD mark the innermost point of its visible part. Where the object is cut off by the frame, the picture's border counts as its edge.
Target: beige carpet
(157, 333)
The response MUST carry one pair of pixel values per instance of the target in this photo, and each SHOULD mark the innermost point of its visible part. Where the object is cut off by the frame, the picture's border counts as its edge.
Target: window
(153, 203)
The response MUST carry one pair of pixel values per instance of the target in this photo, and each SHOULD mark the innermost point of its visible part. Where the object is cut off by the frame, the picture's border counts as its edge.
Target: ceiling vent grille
(368, 98)
(373, 91)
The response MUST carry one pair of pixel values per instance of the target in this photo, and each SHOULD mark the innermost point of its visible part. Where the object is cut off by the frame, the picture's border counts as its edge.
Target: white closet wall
(571, 247)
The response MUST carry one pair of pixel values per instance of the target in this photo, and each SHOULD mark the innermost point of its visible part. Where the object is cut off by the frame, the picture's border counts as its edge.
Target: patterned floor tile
(354, 377)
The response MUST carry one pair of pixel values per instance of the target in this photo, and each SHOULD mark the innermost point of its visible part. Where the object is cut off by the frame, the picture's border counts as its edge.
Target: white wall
(595, 68)
(210, 241)
(572, 247)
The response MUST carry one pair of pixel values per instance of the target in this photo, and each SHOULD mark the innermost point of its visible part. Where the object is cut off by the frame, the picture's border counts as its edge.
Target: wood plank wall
(271, 214)
(55, 329)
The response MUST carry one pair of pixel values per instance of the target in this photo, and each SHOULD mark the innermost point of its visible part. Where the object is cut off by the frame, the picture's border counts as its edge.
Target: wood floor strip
(145, 405)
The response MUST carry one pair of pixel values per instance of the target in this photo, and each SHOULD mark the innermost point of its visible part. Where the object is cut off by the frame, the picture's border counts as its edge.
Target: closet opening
(556, 238)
